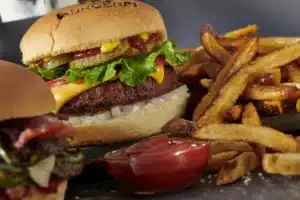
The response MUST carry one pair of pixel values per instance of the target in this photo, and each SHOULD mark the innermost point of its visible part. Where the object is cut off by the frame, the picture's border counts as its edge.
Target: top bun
(87, 25)
(23, 93)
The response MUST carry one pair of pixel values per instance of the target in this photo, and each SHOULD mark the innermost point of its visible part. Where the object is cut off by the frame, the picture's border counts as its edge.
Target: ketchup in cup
(158, 164)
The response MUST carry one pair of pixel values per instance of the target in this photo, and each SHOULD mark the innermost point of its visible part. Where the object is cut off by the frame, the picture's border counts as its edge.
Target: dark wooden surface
(184, 18)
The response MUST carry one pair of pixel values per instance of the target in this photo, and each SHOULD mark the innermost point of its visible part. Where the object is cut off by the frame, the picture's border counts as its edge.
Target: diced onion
(41, 172)
(116, 111)
(156, 101)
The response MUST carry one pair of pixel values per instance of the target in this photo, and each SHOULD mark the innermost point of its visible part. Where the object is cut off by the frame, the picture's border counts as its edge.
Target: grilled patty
(114, 93)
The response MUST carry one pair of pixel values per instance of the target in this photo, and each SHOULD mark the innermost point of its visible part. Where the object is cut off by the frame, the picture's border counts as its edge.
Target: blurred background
(12, 10)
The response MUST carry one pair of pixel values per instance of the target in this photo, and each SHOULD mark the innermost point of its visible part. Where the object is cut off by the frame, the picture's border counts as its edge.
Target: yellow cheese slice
(64, 93)
(159, 74)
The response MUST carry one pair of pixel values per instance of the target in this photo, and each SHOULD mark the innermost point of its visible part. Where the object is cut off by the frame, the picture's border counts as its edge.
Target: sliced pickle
(57, 61)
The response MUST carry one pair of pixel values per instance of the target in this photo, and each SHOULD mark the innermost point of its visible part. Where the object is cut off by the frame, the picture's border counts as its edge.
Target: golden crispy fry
(217, 160)
(236, 168)
(289, 84)
(250, 115)
(298, 105)
(269, 44)
(198, 55)
(229, 43)
(236, 85)
(213, 70)
(267, 92)
(249, 133)
(205, 82)
(240, 58)
(224, 146)
(242, 32)
(194, 71)
(297, 138)
(272, 77)
(271, 107)
(212, 47)
(282, 163)
(293, 73)
(234, 113)
(265, 45)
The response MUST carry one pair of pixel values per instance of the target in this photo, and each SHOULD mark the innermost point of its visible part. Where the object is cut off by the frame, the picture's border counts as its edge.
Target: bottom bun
(145, 122)
(35, 194)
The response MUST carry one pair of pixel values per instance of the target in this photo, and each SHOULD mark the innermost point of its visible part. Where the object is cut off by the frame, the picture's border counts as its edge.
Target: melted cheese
(144, 36)
(109, 46)
(64, 93)
(159, 74)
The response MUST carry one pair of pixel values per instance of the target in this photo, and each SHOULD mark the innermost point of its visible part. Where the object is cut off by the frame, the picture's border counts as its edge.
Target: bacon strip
(21, 131)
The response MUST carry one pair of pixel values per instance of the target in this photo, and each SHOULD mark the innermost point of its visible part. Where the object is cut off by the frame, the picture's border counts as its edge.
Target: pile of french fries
(246, 76)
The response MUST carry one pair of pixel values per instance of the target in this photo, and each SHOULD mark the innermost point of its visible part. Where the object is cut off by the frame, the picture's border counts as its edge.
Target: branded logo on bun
(95, 4)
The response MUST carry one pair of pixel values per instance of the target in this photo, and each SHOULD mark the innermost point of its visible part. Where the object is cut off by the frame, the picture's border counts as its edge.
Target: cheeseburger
(110, 67)
(35, 158)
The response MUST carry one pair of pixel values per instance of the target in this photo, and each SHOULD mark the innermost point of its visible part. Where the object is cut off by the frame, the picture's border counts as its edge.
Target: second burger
(110, 67)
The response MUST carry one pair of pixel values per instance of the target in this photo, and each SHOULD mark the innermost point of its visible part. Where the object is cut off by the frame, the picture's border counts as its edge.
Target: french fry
(194, 71)
(265, 45)
(273, 77)
(293, 73)
(212, 47)
(234, 113)
(224, 146)
(268, 92)
(271, 107)
(249, 133)
(269, 44)
(242, 32)
(236, 85)
(198, 55)
(236, 168)
(205, 82)
(250, 115)
(298, 105)
(297, 138)
(282, 163)
(217, 160)
(213, 70)
(240, 58)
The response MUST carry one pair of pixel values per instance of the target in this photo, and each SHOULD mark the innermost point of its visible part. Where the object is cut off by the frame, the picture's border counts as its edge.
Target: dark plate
(184, 18)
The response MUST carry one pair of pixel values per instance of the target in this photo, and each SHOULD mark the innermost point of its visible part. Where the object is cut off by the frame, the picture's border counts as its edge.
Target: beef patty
(114, 93)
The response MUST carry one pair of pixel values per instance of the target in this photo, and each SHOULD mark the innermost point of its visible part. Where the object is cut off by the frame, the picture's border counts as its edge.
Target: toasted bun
(143, 123)
(87, 25)
(35, 194)
(23, 93)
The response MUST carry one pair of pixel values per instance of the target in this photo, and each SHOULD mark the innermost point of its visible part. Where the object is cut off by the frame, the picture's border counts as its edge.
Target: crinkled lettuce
(130, 71)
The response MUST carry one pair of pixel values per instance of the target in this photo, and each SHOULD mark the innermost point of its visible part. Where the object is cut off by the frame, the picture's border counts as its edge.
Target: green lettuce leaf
(130, 71)
(50, 74)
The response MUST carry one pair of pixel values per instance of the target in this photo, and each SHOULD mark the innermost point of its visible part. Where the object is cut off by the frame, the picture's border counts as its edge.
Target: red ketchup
(61, 81)
(137, 42)
(58, 81)
(158, 164)
(39, 63)
(160, 60)
(86, 53)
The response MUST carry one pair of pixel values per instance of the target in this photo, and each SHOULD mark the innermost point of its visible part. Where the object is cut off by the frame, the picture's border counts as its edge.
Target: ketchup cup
(158, 164)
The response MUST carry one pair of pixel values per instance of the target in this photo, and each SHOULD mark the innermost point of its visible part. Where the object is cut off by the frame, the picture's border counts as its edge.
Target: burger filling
(130, 60)
(35, 151)
(119, 73)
